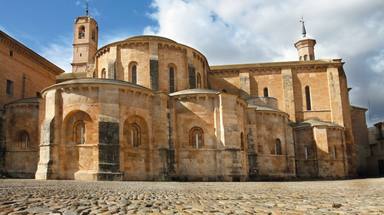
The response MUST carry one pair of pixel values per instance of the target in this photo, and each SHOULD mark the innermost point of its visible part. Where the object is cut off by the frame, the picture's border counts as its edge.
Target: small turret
(305, 46)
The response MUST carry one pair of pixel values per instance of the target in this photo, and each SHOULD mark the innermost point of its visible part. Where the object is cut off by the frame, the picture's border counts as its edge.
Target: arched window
(306, 152)
(198, 80)
(171, 79)
(278, 150)
(79, 132)
(242, 141)
(266, 93)
(103, 73)
(52, 131)
(308, 97)
(333, 152)
(305, 57)
(94, 75)
(192, 77)
(134, 74)
(196, 137)
(23, 140)
(81, 32)
(93, 35)
(135, 135)
(135, 131)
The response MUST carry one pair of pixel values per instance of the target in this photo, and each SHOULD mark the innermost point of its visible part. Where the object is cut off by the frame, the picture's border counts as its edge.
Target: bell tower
(305, 46)
(84, 42)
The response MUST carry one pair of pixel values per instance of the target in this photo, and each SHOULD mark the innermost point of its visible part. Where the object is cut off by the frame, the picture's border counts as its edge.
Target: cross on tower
(304, 32)
(86, 8)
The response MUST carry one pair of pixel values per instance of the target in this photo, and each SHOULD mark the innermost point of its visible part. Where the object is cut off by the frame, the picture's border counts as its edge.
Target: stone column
(162, 145)
(44, 167)
(289, 98)
(109, 131)
(245, 86)
(340, 113)
(154, 66)
(336, 105)
(231, 158)
(320, 135)
(252, 148)
(2, 142)
(109, 151)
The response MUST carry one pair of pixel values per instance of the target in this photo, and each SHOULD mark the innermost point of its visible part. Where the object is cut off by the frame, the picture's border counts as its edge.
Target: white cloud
(244, 31)
(265, 28)
(377, 63)
(59, 52)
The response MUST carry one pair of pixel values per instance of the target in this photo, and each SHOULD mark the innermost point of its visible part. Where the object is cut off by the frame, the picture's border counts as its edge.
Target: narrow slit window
(192, 77)
(266, 93)
(79, 132)
(278, 150)
(134, 74)
(23, 86)
(103, 73)
(135, 135)
(242, 141)
(334, 152)
(171, 79)
(196, 135)
(24, 140)
(198, 80)
(9, 88)
(94, 35)
(308, 98)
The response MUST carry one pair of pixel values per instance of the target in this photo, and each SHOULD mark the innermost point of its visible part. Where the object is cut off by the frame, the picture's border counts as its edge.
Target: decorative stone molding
(28, 53)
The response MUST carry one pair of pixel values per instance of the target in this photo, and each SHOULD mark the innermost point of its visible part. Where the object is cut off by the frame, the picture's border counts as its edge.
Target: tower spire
(85, 38)
(86, 8)
(303, 31)
(305, 46)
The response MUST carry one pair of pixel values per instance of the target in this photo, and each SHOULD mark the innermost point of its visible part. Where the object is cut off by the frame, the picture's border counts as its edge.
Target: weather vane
(86, 8)
(304, 32)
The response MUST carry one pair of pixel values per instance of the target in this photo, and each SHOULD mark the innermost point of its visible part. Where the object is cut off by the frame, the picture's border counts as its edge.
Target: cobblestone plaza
(364, 196)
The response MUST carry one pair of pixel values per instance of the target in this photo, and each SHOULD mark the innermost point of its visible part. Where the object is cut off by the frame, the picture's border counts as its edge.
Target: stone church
(149, 108)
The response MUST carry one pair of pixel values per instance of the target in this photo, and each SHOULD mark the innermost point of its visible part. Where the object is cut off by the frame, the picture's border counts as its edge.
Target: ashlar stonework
(149, 108)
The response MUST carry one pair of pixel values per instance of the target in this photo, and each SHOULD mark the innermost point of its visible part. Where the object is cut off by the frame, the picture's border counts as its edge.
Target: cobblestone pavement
(364, 196)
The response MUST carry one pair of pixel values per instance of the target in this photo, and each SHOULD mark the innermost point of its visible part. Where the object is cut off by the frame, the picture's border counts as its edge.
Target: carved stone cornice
(19, 48)
(276, 67)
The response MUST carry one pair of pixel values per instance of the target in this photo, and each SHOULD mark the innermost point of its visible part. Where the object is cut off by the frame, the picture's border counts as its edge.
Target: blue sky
(40, 22)
(225, 31)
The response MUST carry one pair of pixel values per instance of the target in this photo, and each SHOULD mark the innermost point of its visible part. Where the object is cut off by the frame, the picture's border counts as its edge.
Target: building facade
(361, 139)
(23, 74)
(375, 155)
(149, 108)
